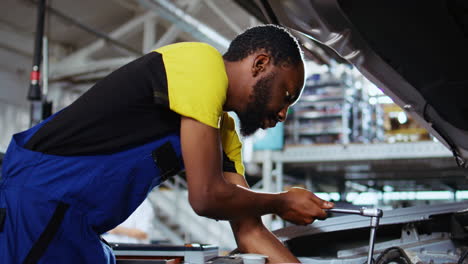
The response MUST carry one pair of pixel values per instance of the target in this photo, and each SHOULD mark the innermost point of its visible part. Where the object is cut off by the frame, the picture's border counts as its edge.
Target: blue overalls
(56, 207)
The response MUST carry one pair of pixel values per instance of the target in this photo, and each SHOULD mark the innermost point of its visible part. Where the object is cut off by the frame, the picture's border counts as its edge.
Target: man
(84, 170)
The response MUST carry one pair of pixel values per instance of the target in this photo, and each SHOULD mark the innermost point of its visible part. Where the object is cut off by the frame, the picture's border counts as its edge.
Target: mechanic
(85, 169)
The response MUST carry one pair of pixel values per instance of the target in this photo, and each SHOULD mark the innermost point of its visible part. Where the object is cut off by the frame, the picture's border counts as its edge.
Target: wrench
(375, 215)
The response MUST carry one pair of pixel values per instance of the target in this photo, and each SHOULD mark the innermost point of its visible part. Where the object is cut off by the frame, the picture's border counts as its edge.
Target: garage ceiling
(18, 20)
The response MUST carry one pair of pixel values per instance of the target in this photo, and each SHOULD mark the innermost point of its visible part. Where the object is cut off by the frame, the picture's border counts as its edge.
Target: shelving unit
(332, 110)
(322, 113)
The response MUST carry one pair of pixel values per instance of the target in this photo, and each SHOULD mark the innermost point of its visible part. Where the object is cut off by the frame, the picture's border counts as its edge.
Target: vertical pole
(279, 186)
(35, 93)
(342, 188)
(309, 182)
(45, 105)
(267, 180)
(149, 34)
(279, 176)
(45, 67)
(267, 171)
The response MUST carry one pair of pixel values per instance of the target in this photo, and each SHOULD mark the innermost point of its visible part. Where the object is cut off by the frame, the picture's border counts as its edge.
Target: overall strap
(39, 248)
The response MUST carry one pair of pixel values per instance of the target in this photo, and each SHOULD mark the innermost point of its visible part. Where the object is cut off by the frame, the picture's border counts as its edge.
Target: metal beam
(358, 152)
(229, 22)
(169, 36)
(126, 28)
(15, 50)
(15, 41)
(174, 31)
(19, 40)
(130, 5)
(149, 34)
(91, 30)
(187, 23)
(409, 175)
(79, 63)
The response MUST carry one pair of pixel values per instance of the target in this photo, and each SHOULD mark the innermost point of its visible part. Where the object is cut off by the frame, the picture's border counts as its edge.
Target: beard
(256, 110)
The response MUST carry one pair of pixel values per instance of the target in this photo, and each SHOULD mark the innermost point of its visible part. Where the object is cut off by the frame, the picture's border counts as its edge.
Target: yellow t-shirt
(197, 86)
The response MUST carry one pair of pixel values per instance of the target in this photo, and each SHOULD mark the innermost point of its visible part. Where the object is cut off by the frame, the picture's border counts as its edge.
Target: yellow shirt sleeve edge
(207, 120)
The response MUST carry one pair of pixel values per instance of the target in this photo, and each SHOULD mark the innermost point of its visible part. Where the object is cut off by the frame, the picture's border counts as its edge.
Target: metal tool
(375, 215)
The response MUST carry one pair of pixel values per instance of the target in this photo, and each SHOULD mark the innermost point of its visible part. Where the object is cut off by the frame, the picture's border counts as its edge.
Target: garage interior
(346, 140)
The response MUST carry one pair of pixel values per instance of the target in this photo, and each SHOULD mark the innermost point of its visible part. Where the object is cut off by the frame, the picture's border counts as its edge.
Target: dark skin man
(227, 196)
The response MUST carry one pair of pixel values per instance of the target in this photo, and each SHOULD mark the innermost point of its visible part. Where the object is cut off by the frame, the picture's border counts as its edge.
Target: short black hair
(276, 40)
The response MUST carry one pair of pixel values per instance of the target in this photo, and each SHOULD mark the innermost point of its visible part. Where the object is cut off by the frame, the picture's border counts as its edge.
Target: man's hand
(302, 207)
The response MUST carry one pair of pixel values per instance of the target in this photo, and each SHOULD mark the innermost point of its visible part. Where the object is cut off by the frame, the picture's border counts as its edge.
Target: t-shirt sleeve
(197, 81)
(232, 146)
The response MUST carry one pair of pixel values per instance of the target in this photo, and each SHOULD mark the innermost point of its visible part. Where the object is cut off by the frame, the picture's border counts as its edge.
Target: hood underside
(415, 51)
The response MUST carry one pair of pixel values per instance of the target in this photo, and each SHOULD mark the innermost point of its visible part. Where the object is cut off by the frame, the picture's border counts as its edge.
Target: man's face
(270, 99)
(251, 119)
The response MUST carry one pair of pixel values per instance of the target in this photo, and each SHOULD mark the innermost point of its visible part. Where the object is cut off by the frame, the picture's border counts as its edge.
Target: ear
(260, 63)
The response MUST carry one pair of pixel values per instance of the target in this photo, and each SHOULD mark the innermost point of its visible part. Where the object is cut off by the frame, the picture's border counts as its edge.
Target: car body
(416, 52)
(435, 233)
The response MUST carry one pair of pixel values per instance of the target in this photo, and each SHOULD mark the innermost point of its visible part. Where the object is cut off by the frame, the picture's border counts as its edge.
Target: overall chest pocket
(167, 161)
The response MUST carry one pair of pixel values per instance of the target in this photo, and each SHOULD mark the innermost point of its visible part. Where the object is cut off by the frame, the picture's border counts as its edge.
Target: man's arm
(212, 196)
(253, 237)
(130, 232)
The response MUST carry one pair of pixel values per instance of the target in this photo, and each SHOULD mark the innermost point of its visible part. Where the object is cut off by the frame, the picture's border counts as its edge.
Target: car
(419, 234)
(416, 52)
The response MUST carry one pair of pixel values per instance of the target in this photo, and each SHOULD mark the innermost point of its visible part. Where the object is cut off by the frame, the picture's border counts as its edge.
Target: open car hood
(429, 232)
(415, 51)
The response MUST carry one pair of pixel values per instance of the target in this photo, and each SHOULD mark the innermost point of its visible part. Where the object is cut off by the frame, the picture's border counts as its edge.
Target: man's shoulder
(194, 48)
(197, 81)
